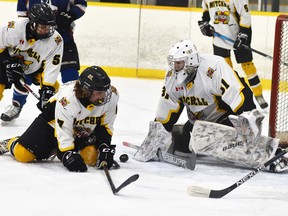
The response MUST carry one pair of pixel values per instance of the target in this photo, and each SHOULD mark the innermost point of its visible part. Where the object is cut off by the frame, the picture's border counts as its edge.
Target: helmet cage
(101, 101)
(187, 52)
(37, 28)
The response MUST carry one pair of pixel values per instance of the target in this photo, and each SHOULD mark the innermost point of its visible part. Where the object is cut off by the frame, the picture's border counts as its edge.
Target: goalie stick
(124, 184)
(177, 160)
(205, 192)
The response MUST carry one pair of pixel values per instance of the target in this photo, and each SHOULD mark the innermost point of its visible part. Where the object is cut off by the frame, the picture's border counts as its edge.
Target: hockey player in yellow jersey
(222, 119)
(233, 20)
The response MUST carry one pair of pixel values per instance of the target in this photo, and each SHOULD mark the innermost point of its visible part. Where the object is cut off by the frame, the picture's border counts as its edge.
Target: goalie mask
(183, 60)
(42, 21)
(95, 85)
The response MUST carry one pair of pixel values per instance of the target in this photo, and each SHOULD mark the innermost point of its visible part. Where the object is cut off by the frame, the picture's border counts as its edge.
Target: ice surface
(47, 188)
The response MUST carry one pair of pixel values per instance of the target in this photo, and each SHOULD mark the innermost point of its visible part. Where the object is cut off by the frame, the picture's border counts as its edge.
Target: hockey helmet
(95, 81)
(183, 59)
(42, 20)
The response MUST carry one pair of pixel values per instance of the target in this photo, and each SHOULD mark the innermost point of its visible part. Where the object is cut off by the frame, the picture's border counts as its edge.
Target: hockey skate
(11, 112)
(4, 146)
(261, 101)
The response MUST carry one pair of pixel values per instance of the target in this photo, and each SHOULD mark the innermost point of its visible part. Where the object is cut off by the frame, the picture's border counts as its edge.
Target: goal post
(278, 120)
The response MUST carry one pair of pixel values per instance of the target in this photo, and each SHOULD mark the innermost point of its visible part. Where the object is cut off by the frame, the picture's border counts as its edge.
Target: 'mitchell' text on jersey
(218, 4)
(89, 120)
(195, 101)
(30, 53)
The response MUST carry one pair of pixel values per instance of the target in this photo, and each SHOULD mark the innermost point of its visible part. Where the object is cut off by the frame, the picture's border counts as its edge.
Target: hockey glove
(82, 142)
(74, 162)
(241, 39)
(64, 20)
(45, 93)
(106, 155)
(14, 70)
(206, 28)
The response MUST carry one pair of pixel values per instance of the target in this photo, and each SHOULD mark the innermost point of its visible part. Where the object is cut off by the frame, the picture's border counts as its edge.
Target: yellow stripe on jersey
(169, 114)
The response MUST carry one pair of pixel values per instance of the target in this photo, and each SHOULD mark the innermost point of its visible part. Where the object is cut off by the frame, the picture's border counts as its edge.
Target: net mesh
(281, 111)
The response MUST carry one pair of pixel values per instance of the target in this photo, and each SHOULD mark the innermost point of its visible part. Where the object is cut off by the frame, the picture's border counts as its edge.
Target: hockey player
(30, 50)
(66, 13)
(232, 19)
(78, 119)
(213, 92)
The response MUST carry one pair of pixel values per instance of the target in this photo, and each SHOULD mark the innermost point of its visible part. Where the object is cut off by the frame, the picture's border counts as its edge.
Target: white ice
(47, 188)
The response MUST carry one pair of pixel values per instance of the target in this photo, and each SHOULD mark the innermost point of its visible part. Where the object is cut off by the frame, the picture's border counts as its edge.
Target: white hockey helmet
(183, 59)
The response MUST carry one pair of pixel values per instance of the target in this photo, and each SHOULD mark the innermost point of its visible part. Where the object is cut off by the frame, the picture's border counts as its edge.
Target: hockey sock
(253, 78)
(20, 97)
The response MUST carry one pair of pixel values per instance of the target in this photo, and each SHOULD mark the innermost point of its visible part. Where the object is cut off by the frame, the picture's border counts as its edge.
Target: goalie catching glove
(106, 155)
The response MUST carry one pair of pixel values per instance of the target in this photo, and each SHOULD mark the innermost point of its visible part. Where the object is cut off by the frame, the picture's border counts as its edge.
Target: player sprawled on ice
(233, 20)
(213, 92)
(31, 51)
(77, 121)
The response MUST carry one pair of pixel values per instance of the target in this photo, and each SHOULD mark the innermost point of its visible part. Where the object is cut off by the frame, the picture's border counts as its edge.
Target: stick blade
(131, 145)
(198, 191)
(127, 182)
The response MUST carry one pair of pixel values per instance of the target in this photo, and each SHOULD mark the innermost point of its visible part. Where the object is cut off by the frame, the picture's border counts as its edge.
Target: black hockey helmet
(94, 78)
(41, 15)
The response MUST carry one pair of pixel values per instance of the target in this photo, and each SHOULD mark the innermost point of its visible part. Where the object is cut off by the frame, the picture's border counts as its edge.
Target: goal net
(278, 120)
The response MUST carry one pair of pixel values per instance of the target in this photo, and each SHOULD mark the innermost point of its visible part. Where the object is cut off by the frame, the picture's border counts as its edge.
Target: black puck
(123, 158)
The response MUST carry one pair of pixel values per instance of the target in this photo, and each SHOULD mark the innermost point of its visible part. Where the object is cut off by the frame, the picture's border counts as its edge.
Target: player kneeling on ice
(77, 122)
(213, 92)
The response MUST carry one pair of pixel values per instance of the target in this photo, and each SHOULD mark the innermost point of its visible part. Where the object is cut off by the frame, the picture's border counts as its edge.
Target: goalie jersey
(216, 91)
(37, 55)
(72, 117)
(226, 17)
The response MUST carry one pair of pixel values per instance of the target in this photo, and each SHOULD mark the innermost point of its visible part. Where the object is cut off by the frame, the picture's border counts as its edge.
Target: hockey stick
(131, 145)
(216, 34)
(29, 89)
(174, 159)
(204, 192)
(124, 184)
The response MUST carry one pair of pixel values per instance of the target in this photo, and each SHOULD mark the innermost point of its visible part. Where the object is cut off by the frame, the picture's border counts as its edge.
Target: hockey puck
(123, 158)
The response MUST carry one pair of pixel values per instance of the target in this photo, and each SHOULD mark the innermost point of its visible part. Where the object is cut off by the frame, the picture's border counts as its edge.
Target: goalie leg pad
(223, 142)
(157, 138)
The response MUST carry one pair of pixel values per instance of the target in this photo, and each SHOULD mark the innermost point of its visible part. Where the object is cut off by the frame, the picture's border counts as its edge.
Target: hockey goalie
(223, 121)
